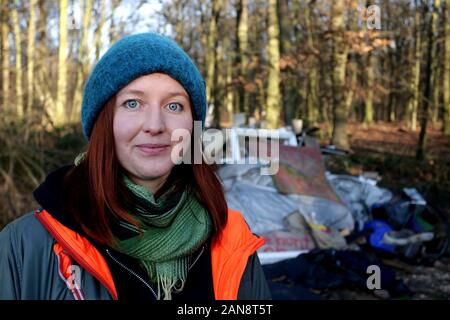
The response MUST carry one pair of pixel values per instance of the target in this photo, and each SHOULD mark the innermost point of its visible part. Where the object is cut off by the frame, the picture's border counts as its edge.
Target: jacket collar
(49, 195)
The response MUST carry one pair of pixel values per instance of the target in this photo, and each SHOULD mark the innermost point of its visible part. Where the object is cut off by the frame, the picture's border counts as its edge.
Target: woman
(125, 222)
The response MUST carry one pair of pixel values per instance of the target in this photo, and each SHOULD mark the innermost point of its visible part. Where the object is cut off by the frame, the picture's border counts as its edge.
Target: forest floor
(390, 150)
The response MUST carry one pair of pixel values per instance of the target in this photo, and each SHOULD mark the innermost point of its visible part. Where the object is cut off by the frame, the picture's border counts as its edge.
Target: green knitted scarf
(172, 228)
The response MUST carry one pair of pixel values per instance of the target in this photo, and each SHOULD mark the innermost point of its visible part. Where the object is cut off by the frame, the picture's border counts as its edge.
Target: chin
(152, 172)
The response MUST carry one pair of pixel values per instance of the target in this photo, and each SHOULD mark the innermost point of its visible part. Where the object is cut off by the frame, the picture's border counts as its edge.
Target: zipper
(198, 257)
(132, 272)
(139, 277)
(73, 253)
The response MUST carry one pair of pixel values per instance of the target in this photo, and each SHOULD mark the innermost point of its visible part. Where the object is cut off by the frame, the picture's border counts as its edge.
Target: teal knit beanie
(134, 56)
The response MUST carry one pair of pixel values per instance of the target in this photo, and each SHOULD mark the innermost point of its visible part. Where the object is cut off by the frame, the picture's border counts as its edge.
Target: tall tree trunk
(42, 47)
(19, 71)
(288, 86)
(273, 85)
(421, 148)
(392, 100)
(312, 105)
(446, 75)
(83, 61)
(435, 70)
(339, 57)
(203, 35)
(101, 7)
(30, 66)
(391, 63)
(413, 102)
(227, 84)
(179, 26)
(242, 53)
(352, 68)
(43, 84)
(218, 80)
(370, 77)
(212, 52)
(60, 116)
(113, 28)
(353, 60)
(5, 55)
(30, 56)
(370, 81)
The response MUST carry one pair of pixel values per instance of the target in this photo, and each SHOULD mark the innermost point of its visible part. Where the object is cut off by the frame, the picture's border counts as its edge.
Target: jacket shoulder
(237, 233)
(25, 229)
(23, 238)
(22, 242)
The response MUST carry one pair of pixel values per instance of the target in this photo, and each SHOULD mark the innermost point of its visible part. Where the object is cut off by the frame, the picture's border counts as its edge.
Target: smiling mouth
(152, 149)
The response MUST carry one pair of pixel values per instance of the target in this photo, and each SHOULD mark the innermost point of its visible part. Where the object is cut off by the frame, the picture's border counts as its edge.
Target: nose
(154, 122)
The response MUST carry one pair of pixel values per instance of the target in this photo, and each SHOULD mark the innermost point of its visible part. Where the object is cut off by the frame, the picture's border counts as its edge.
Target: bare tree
(19, 70)
(446, 75)
(273, 79)
(60, 116)
(340, 50)
(5, 54)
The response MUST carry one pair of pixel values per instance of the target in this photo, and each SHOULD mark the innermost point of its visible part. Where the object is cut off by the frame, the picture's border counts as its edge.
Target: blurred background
(373, 78)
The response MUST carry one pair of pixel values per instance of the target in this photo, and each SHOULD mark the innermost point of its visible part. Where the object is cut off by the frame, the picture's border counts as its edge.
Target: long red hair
(96, 197)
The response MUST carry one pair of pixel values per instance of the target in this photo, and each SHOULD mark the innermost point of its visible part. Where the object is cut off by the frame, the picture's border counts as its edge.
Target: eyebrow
(140, 92)
(132, 91)
(178, 93)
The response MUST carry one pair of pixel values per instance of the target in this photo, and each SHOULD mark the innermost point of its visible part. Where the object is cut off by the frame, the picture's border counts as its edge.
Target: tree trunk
(19, 71)
(273, 50)
(392, 101)
(352, 68)
(446, 75)
(352, 63)
(227, 83)
(391, 63)
(5, 55)
(288, 85)
(113, 28)
(421, 148)
(98, 32)
(59, 116)
(242, 54)
(30, 56)
(435, 70)
(413, 102)
(218, 80)
(370, 81)
(211, 52)
(83, 61)
(179, 26)
(370, 77)
(43, 85)
(312, 105)
(339, 57)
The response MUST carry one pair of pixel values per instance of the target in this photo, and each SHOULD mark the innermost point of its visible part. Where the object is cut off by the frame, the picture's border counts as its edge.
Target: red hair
(96, 197)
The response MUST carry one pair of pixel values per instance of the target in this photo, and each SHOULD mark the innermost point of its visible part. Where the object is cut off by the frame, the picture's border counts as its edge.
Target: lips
(152, 148)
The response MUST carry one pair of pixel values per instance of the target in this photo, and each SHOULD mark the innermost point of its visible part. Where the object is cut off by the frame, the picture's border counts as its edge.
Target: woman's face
(146, 113)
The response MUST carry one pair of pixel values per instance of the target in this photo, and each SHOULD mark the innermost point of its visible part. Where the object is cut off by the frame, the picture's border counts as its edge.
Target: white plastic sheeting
(264, 208)
(359, 194)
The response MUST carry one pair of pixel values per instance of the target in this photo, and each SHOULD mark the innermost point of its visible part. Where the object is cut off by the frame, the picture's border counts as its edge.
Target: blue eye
(175, 107)
(131, 104)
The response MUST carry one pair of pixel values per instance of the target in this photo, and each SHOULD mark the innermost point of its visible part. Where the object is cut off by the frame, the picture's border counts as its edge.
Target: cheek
(185, 122)
(123, 129)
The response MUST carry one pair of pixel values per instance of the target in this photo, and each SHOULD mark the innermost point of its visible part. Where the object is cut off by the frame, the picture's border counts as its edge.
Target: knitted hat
(134, 56)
